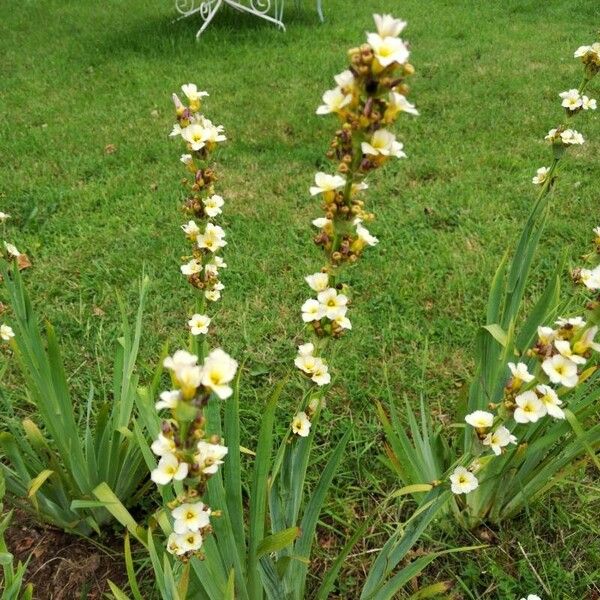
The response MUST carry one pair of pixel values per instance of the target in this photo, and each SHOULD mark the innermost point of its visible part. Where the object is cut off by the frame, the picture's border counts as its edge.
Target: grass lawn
(77, 77)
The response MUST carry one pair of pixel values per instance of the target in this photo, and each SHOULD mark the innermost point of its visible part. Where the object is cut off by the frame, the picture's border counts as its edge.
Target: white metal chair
(269, 10)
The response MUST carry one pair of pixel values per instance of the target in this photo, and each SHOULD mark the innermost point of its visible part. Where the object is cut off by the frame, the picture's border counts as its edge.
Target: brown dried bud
(321, 239)
(366, 54)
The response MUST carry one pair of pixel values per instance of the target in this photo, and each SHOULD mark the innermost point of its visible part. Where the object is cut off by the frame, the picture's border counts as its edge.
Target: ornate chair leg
(258, 8)
(207, 12)
(320, 10)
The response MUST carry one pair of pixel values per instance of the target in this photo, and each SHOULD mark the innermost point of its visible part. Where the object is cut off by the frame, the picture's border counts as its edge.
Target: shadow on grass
(152, 34)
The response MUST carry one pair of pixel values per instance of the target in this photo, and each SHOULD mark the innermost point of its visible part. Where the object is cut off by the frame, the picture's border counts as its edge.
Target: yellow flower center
(385, 50)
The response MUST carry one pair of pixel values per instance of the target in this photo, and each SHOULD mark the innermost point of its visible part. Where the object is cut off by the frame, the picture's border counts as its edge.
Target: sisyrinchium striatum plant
(529, 419)
(56, 456)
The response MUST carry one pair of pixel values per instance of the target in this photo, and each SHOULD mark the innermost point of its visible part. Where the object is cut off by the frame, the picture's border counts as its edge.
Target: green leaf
(580, 433)
(405, 459)
(232, 472)
(278, 541)
(412, 489)
(11, 449)
(117, 592)
(158, 567)
(79, 504)
(230, 589)
(37, 482)
(206, 576)
(118, 511)
(494, 303)
(497, 333)
(400, 579)
(544, 308)
(184, 582)
(400, 543)
(131, 578)
(35, 436)
(230, 552)
(270, 580)
(311, 513)
(258, 496)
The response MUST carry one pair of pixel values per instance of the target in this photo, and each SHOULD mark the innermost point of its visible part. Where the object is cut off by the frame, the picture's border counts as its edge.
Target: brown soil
(63, 566)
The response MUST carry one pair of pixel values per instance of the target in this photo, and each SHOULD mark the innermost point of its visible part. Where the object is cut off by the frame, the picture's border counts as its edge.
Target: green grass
(78, 76)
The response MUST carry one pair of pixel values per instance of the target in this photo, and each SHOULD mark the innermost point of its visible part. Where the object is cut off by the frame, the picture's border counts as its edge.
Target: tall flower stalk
(202, 203)
(189, 456)
(368, 98)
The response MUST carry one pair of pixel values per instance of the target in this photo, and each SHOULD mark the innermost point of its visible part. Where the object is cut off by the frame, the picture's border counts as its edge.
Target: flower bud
(402, 89)
(179, 107)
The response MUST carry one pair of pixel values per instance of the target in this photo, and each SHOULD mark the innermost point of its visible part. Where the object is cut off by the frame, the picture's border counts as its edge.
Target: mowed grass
(77, 77)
